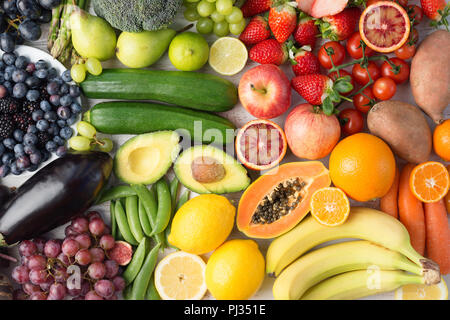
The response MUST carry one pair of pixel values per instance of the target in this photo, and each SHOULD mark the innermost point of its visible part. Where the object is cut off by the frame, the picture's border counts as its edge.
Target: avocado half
(146, 158)
(232, 176)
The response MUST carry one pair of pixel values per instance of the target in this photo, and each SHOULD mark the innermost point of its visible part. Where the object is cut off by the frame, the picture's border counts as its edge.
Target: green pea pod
(152, 293)
(113, 220)
(137, 261)
(122, 223)
(174, 184)
(143, 218)
(116, 193)
(164, 206)
(148, 200)
(183, 199)
(127, 292)
(132, 212)
(142, 280)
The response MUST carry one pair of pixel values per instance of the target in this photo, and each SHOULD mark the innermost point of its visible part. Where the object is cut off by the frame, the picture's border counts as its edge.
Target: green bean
(137, 261)
(122, 222)
(152, 293)
(142, 280)
(164, 206)
(143, 218)
(174, 184)
(116, 193)
(132, 212)
(113, 219)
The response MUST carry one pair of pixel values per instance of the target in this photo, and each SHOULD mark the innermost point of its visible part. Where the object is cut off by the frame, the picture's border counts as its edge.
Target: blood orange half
(384, 26)
(261, 144)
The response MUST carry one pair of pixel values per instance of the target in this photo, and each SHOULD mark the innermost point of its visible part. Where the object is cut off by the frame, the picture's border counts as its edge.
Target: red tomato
(362, 77)
(384, 88)
(334, 75)
(352, 121)
(415, 12)
(403, 72)
(354, 48)
(363, 101)
(406, 52)
(338, 54)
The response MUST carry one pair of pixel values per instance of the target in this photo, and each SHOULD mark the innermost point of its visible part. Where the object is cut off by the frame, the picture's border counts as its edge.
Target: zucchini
(194, 90)
(142, 117)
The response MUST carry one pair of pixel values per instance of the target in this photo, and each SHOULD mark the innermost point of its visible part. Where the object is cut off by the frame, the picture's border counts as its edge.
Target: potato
(404, 127)
(430, 75)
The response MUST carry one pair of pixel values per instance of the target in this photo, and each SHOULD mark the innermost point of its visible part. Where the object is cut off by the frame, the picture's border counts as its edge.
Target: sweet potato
(403, 127)
(430, 76)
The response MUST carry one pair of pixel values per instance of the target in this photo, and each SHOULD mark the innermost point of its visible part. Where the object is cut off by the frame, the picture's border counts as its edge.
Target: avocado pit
(207, 170)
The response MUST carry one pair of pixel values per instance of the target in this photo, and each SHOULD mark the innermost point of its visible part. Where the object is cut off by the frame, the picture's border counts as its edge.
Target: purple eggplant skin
(64, 188)
(5, 195)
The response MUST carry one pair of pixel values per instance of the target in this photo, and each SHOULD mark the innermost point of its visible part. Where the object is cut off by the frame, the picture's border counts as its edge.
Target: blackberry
(43, 138)
(6, 126)
(22, 120)
(8, 105)
(44, 94)
(29, 107)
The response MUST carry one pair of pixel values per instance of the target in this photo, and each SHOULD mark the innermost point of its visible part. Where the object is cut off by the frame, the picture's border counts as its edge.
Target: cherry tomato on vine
(352, 121)
(338, 54)
(362, 77)
(362, 101)
(343, 73)
(354, 48)
(403, 72)
(384, 88)
(415, 12)
(405, 52)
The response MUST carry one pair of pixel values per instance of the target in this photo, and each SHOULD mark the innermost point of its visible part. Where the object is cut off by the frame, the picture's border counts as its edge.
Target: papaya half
(278, 200)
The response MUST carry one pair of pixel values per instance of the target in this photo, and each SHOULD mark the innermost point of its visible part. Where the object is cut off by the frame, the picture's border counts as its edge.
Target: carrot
(438, 235)
(389, 203)
(411, 211)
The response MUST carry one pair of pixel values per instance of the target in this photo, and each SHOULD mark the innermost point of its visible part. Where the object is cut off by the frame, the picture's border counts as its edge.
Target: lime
(228, 56)
(188, 51)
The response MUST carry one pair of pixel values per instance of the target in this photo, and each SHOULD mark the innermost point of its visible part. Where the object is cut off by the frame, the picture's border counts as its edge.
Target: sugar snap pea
(132, 212)
(137, 261)
(164, 206)
(116, 193)
(127, 292)
(113, 219)
(122, 223)
(143, 218)
(174, 184)
(142, 280)
(183, 199)
(152, 293)
(148, 200)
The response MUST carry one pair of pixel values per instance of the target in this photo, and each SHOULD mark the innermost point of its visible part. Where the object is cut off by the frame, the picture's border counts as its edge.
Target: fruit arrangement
(298, 145)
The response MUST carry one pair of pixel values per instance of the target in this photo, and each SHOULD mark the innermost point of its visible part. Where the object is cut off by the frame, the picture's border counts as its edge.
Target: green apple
(189, 51)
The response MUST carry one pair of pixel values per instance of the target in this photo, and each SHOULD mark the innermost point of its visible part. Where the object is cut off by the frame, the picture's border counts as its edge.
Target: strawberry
(436, 10)
(304, 61)
(314, 88)
(340, 26)
(253, 7)
(256, 31)
(269, 51)
(282, 20)
(306, 32)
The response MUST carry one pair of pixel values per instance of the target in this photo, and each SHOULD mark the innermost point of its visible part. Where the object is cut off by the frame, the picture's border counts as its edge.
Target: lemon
(228, 56)
(423, 292)
(235, 271)
(181, 276)
(202, 224)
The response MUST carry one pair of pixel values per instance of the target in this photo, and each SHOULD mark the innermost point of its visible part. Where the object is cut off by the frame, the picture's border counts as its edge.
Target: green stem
(54, 26)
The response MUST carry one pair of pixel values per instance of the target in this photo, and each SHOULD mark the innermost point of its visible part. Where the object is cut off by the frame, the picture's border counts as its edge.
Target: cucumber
(194, 90)
(142, 117)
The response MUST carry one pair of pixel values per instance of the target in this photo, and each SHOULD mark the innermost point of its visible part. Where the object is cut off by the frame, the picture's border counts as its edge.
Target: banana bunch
(382, 261)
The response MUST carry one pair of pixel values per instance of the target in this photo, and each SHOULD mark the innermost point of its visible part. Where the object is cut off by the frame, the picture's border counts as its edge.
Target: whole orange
(441, 140)
(363, 166)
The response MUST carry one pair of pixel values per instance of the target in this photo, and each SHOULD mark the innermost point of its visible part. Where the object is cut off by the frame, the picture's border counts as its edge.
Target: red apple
(310, 133)
(265, 91)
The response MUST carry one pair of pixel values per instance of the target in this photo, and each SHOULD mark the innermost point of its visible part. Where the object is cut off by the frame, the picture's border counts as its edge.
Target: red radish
(310, 133)
(121, 253)
(265, 92)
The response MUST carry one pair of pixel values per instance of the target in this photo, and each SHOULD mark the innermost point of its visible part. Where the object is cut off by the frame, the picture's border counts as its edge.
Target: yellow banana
(363, 223)
(335, 259)
(359, 284)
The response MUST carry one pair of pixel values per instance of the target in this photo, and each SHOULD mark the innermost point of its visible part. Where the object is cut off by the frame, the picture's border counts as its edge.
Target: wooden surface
(239, 116)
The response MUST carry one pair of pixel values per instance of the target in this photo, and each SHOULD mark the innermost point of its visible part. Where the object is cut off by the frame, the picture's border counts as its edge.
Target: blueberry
(45, 106)
(30, 139)
(51, 146)
(64, 89)
(2, 148)
(45, 155)
(52, 73)
(23, 162)
(2, 65)
(2, 77)
(52, 88)
(66, 100)
(73, 118)
(33, 82)
(8, 158)
(19, 75)
(41, 64)
(31, 67)
(54, 99)
(9, 58)
(66, 76)
(50, 116)
(19, 149)
(42, 125)
(59, 141)
(37, 115)
(7, 76)
(36, 158)
(75, 108)
(32, 129)
(41, 73)
(4, 171)
(61, 123)
(74, 91)
(9, 143)
(61, 151)
(8, 85)
(18, 135)
(29, 149)
(21, 62)
(20, 90)
(63, 112)
(66, 133)
(54, 129)
(10, 69)
(15, 169)
(33, 95)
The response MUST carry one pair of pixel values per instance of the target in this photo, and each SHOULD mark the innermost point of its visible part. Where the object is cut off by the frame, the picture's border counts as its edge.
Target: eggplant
(5, 195)
(59, 191)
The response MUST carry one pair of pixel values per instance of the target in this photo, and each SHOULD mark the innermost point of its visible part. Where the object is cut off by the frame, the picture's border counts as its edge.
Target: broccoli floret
(138, 15)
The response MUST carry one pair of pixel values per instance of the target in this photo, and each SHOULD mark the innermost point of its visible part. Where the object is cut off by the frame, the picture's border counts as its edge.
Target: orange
(441, 140)
(429, 181)
(447, 197)
(330, 206)
(384, 26)
(363, 166)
